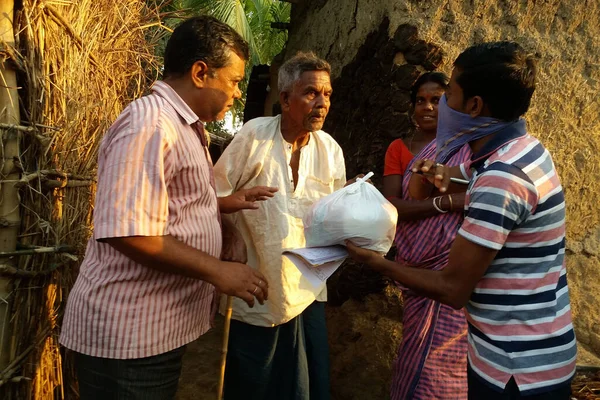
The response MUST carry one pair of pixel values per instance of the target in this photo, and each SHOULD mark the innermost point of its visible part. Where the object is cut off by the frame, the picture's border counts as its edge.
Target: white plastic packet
(358, 212)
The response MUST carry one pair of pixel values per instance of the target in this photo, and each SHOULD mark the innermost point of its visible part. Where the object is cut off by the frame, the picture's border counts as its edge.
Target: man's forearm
(428, 283)
(168, 254)
(234, 247)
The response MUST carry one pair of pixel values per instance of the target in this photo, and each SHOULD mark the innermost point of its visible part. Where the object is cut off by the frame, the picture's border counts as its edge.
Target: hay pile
(78, 64)
(586, 384)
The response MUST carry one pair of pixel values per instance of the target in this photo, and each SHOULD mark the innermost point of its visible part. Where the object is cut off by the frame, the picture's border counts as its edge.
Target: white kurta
(259, 156)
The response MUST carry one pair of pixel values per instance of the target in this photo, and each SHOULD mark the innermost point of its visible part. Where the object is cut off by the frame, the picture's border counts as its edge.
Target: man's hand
(234, 247)
(351, 181)
(245, 199)
(436, 173)
(170, 255)
(361, 255)
(240, 280)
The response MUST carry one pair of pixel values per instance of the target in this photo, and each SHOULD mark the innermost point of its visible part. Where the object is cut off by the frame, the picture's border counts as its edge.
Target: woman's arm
(412, 210)
(407, 210)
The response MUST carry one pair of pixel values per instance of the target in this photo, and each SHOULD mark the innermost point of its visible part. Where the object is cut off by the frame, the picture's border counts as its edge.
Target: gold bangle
(450, 198)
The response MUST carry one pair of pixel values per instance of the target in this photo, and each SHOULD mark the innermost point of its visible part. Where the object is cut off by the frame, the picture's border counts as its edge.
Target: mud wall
(377, 48)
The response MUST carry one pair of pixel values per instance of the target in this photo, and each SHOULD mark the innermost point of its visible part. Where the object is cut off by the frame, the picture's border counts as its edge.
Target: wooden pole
(9, 152)
(224, 348)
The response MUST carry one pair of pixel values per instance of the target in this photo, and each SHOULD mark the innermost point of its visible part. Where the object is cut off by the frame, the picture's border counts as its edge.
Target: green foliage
(218, 128)
(250, 18)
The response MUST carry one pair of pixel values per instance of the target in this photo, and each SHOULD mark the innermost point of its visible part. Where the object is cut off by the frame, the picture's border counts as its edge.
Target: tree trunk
(9, 153)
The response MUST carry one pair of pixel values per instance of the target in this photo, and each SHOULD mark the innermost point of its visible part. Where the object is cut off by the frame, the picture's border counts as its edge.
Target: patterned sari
(432, 357)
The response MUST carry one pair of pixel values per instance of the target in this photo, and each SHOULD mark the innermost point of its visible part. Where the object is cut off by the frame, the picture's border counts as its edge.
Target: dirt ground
(200, 373)
(362, 351)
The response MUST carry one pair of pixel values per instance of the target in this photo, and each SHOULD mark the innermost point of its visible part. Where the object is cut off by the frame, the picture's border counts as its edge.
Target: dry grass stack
(78, 64)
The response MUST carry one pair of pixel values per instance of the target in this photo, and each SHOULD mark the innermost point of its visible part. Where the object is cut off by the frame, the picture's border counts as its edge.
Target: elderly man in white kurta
(279, 350)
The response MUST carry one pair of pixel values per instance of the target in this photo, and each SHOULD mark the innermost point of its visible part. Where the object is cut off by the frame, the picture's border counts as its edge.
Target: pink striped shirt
(154, 179)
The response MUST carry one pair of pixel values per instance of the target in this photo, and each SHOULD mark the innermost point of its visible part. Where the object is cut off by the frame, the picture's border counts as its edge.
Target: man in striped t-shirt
(506, 266)
(147, 283)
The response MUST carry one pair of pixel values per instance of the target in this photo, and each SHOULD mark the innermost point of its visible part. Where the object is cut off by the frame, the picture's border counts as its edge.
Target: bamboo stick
(16, 127)
(69, 180)
(30, 130)
(37, 250)
(71, 183)
(8, 270)
(9, 195)
(10, 369)
(224, 347)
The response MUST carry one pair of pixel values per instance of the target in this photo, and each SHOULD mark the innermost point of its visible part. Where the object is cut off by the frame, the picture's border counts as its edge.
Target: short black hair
(435, 77)
(503, 74)
(202, 38)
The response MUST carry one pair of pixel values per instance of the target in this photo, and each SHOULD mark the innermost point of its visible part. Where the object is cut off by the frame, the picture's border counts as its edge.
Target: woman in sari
(432, 357)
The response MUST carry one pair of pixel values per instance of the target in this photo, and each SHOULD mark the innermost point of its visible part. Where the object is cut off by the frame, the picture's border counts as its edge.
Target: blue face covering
(455, 129)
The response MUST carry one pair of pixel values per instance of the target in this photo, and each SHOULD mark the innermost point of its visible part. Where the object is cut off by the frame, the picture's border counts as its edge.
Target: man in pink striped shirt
(147, 282)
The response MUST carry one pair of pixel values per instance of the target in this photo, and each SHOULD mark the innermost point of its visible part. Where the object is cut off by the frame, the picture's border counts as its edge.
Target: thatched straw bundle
(586, 384)
(78, 64)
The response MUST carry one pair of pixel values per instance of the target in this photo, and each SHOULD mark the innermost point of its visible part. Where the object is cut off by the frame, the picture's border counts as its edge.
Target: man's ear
(475, 106)
(284, 100)
(199, 73)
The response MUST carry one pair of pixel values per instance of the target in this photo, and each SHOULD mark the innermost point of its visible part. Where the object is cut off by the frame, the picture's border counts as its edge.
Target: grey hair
(291, 70)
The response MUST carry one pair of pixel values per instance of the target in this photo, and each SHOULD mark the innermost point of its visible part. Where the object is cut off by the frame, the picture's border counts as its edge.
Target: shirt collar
(166, 92)
(500, 139)
(311, 135)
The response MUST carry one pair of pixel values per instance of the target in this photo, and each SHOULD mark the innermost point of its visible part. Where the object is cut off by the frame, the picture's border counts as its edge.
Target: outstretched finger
(248, 205)
(423, 165)
(429, 166)
(265, 191)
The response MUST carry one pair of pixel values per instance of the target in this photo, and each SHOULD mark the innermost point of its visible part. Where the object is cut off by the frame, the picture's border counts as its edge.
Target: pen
(453, 180)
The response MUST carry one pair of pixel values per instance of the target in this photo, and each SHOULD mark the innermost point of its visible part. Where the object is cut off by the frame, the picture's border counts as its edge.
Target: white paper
(317, 276)
(316, 256)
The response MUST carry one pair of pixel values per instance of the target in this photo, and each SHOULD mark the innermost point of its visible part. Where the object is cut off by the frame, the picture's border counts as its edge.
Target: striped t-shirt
(519, 313)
